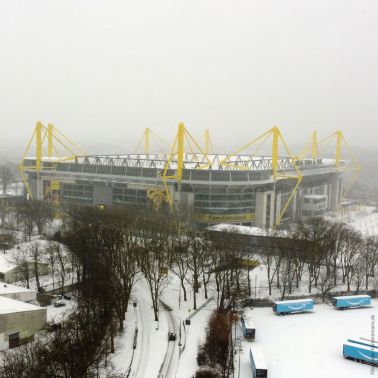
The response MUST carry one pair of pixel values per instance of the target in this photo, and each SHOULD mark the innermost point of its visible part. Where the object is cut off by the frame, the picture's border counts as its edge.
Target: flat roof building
(18, 292)
(19, 322)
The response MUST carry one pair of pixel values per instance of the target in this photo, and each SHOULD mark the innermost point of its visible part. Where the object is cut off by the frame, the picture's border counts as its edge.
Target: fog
(102, 71)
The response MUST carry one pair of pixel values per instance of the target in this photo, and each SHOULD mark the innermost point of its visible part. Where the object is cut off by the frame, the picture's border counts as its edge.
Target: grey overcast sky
(102, 71)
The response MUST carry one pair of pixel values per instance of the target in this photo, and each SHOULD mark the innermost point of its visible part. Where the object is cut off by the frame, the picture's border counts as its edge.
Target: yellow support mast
(311, 146)
(208, 146)
(176, 158)
(180, 150)
(277, 137)
(50, 129)
(355, 167)
(145, 141)
(314, 145)
(38, 145)
(338, 148)
(57, 144)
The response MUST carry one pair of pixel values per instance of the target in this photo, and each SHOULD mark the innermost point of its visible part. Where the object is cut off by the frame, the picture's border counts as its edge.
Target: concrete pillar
(277, 211)
(265, 214)
(336, 191)
(260, 211)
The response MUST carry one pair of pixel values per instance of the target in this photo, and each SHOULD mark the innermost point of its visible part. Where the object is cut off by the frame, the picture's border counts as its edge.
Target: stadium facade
(247, 190)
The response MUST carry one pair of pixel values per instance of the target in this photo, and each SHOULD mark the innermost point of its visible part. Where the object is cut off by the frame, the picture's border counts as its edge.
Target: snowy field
(310, 344)
(364, 220)
(368, 225)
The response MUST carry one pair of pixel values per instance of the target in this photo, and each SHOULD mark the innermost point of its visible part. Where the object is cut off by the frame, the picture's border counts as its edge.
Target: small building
(314, 205)
(11, 272)
(18, 292)
(19, 322)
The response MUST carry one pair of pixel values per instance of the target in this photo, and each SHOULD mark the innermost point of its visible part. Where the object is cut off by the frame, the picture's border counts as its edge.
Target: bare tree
(359, 274)
(315, 233)
(196, 261)
(326, 282)
(350, 256)
(154, 257)
(36, 254)
(370, 255)
(287, 274)
(21, 260)
(268, 259)
(51, 256)
(180, 265)
(61, 259)
(6, 175)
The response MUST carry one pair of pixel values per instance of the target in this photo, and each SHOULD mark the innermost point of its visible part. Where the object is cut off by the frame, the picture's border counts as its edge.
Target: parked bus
(348, 301)
(361, 353)
(249, 330)
(258, 364)
(296, 305)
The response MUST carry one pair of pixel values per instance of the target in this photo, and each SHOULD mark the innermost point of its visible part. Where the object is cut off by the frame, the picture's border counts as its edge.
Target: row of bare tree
(30, 217)
(326, 254)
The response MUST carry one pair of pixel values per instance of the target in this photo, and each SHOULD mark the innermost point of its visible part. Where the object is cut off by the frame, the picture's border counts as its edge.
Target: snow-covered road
(168, 367)
(144, 329)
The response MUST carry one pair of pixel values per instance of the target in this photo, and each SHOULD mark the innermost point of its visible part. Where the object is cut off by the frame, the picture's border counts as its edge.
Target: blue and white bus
(258, 364)
(248, 327)
(348, 301)
(362, 353)
(296, 305)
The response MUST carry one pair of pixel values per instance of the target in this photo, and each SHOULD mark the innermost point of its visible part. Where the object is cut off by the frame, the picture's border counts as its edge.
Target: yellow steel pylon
(208, 145)
(49, 142)
(145, 140)
(175, 159)
(355, 167)
(277, 137)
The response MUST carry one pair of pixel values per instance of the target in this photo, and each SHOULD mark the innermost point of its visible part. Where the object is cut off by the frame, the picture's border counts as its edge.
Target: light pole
(179, 296)
(179, 332)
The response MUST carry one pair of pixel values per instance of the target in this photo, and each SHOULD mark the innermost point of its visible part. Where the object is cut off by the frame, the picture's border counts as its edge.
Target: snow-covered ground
(309, 344)
(125, 340)
(364, 219)
(195, 335)
(58, 313)
(367, 225)
(152, 341)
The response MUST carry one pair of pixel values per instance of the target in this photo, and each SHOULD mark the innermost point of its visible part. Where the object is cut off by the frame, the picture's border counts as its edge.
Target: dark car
(59, 304)
(171, 336)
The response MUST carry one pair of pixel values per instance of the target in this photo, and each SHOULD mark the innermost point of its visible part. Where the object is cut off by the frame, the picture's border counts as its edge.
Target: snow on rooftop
(258, 357)
(246, 230)
(6, 263)
(352, 297)
(9, 306)
(6, 288)
(249, 323)
(295, 301)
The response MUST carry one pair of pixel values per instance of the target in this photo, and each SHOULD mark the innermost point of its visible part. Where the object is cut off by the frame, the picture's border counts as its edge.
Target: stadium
(243, 187)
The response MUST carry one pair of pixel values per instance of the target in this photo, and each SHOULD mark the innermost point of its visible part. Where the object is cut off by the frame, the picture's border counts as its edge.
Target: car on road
(59, 304)
(171, 336)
